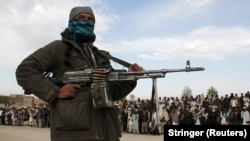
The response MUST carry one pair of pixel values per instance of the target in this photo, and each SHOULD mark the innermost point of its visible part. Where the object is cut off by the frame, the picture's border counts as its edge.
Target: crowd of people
(140, 117)
(35, 115)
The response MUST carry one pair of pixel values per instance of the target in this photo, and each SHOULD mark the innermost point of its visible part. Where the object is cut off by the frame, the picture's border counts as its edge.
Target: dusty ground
(26, 133)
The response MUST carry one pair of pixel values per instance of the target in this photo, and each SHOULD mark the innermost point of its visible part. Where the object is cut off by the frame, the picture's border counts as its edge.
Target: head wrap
(81, 31)
(79, 10)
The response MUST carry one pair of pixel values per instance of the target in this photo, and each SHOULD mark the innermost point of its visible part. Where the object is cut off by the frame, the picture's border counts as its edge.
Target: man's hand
(135, 67)
(68, 91)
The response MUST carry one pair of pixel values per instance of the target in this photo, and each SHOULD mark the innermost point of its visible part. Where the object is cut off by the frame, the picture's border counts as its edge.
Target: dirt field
(26, 133)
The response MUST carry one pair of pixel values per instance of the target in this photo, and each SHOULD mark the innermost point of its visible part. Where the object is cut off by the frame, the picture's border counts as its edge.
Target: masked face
(82, 27)
(81, 30)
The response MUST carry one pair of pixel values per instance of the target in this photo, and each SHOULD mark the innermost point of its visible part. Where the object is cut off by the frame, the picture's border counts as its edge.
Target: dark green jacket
(74, 119)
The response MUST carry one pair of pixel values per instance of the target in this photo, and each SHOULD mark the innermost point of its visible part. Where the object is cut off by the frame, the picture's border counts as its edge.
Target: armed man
(74, 116)
(80, 84)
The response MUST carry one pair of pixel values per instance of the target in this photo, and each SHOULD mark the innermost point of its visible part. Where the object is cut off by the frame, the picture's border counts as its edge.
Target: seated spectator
(153, 128)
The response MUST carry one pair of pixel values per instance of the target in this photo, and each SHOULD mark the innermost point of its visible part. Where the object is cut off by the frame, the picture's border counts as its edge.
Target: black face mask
(79, 38)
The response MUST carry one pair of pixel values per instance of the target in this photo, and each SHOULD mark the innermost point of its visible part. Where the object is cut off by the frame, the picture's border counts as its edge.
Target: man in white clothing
(245, 116)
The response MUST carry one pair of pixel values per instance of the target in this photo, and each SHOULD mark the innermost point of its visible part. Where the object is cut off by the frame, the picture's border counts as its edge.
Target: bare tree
(187, 92)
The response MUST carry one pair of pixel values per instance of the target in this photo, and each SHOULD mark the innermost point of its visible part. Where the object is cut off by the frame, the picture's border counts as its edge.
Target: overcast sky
(162, 34)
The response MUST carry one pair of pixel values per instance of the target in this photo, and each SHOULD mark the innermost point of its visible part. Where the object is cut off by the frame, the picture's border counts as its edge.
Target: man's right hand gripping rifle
(99, 75)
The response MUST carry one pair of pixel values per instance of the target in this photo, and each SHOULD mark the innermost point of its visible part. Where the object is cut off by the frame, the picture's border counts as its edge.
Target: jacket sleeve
(121, 89)
(29, 73)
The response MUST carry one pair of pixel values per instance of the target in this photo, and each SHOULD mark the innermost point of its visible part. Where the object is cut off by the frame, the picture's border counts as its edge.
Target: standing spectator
(48, 117)
(36, 114)
(196, 116)
(7, 104)
(130, 106)
(40, 117)
(130, 122)
(165, 119)
(178, 103)
(226, 102)
(159, 99)
(9, 117)
(245, 116)
(181, 117)
(135, 121)
(213, 116)
(143, 104)
(140, 113)
(138, 103)
(193, 104)
(119, 118)
(204, 117)
(15, 117)
(1, 114)
(224, 116)
(164, 100)
(246, 101)
(124, 118)
(20, 117)
(31, 117)
(157, 116)
(174, 116)
(205, 104)
(216, 102)
(6, 117)
(234, 102)
(199, 100)
(145, 119)
(234, 117)
(241, 101)
(43, 117)
(188, 117)
(187, 103)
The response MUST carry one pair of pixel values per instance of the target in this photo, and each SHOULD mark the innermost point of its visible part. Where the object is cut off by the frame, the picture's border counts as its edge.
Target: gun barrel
(163, 71)
(114, 76)
(85, 75)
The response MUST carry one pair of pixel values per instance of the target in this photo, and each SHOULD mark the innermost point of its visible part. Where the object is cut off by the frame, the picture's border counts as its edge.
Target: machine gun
(100, 90)
(84, 76)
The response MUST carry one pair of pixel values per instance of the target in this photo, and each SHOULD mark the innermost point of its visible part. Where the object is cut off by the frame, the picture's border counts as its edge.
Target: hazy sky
(161, 34)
